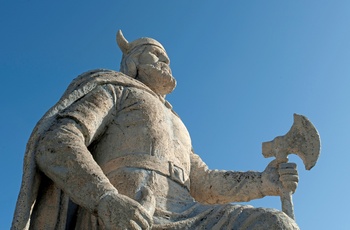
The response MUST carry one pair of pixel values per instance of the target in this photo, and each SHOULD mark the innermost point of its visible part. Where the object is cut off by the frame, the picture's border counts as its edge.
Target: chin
(159, 80)
(170, 86)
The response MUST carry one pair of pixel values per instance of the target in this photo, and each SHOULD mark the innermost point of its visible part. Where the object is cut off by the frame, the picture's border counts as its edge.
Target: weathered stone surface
(112, 154)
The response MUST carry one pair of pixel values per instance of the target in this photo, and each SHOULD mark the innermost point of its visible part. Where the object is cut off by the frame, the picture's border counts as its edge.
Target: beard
(157, 77)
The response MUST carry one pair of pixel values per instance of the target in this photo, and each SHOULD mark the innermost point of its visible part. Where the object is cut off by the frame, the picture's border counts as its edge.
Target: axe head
(302, 140)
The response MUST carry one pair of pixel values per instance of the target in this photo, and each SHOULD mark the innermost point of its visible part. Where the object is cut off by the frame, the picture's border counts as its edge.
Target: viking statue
(113, 154)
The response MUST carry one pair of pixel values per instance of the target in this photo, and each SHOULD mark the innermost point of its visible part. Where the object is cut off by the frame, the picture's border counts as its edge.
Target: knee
(274, 219)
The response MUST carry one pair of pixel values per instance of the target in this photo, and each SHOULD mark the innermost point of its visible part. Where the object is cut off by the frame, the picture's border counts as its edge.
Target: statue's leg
(247, 217)
(226, 217)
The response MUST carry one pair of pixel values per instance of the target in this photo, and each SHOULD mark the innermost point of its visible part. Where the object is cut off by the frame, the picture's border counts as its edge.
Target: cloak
(32, 177)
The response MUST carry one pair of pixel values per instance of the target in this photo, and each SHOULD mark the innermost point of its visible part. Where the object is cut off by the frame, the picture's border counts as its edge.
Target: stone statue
(112, 154)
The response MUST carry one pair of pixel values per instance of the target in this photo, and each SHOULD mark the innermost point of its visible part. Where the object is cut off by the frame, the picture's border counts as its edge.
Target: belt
(145, 161)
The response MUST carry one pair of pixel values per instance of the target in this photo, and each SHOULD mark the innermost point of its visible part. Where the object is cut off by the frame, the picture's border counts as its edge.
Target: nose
(164, 58)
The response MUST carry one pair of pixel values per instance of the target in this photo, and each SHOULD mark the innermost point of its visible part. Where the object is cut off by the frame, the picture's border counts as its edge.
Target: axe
(303, 140)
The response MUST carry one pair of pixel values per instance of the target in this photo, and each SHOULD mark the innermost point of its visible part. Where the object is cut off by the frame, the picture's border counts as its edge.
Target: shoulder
(93, 78)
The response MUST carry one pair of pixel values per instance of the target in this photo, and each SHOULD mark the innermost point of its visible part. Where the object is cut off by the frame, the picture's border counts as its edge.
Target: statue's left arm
(219, 186)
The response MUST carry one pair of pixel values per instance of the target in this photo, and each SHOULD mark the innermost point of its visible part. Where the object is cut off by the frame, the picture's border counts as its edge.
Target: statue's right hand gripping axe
(302, 140)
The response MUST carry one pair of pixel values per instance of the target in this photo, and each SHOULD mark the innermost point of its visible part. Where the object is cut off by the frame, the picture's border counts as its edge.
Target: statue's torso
(142, 124)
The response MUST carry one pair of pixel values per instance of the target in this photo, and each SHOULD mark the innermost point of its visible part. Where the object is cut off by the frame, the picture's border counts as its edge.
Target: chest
(144, 112)
(144, 124)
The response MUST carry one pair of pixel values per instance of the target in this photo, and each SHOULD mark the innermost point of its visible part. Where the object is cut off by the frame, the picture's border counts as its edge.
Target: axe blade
(309, 148)
(302, 139)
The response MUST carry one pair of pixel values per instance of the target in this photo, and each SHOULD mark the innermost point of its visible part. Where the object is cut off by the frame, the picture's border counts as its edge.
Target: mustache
(156, 67)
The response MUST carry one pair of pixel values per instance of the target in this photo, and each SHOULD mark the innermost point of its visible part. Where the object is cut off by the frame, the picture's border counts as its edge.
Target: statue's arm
(62, 153)
(219, 186)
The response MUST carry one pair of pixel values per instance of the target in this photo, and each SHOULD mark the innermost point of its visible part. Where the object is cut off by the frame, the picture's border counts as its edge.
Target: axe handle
(287, 203)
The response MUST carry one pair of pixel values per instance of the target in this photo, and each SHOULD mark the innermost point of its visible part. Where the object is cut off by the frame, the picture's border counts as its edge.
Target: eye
(156, 53)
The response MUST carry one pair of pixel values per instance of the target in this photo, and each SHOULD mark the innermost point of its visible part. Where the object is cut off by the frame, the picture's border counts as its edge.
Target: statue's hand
(277, 177)
(121, 212)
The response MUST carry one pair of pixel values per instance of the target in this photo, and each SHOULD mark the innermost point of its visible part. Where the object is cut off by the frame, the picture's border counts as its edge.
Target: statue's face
(154, 71)
(153, 54)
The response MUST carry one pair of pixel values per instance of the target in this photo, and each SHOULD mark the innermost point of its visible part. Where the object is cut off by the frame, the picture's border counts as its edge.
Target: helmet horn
(122, 42)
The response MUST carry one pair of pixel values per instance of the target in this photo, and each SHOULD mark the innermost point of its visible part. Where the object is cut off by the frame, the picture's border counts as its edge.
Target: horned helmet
(130, 52)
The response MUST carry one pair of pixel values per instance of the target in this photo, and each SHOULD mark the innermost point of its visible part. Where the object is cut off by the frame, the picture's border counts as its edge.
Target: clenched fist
(121, 212)
(279, 176)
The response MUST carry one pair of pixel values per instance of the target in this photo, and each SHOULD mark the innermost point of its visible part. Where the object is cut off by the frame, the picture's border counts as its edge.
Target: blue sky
(243, 68)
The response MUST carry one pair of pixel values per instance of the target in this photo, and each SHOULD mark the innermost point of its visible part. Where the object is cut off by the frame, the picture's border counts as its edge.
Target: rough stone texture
(112, 154)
